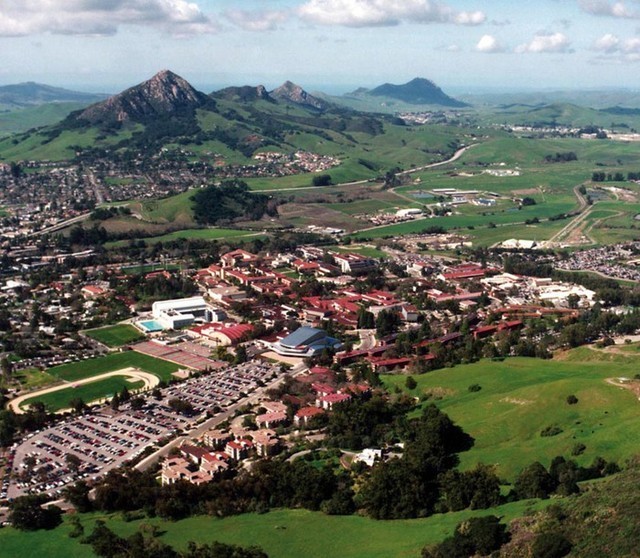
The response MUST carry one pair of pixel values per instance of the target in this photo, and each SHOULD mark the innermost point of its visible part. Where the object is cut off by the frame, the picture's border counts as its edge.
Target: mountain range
(29, 94)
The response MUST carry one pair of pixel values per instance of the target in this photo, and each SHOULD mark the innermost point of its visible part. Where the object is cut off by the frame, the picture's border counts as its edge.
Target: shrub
(411, 383)
(572, 399)
(578, 449)
(550, 545)
(552, 430)
(474, 388)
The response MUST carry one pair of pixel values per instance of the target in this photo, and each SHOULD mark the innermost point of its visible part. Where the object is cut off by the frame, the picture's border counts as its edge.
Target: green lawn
(281, 533)
(117, 361)
(116, 336)
(32, 378)
(91, 392)
(520, 397)
(199, 234)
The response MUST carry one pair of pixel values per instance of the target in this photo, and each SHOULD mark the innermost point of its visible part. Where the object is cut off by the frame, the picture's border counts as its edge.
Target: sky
(328, 45)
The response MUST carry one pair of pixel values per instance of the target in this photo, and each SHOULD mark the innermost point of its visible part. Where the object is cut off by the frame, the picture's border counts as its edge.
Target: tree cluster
(230, 201)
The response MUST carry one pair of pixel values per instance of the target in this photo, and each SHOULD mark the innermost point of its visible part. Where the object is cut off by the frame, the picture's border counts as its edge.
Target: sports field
(519, 397)
(117, 361)
(116, 336)
(89, 393)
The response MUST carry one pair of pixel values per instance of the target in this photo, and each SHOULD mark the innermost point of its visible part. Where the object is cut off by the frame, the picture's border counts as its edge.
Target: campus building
(178, 313)
(305, 342)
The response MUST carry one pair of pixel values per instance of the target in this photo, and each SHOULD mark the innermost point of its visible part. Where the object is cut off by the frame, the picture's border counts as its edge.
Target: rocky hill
(292, 93)
(164, 94)
(418, 91)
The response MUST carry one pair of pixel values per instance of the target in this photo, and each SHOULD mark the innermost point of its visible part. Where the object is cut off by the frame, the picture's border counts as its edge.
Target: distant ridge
(293, 93)
(244, 94)
(418, 91)
(31, 93)
(164, 94)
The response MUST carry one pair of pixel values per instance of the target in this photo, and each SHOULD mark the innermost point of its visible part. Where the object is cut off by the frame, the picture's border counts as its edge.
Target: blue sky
(332, 45)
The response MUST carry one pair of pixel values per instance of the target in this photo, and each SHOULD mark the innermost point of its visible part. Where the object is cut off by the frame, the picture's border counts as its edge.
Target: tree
(410, 383)
(73, 462)
(7, 368)
(78, 405)
(550, 545)
(241, 354)
(534, 482)
(78, 496)
(321, 180)
(27, 514)
(366, 320)
(387, 323)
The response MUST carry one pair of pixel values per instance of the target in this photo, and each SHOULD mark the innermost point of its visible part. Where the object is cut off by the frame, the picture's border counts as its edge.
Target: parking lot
(105, 439)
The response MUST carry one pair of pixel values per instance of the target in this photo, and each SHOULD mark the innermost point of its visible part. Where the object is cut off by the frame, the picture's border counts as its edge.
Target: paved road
(63, 224)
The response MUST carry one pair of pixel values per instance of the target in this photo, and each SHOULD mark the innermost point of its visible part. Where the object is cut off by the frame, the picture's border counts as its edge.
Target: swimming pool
(149, 326)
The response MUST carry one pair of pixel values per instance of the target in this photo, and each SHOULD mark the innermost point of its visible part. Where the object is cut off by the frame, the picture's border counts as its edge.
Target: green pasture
(363, 250)
(488, 236)
(116, 336)
(116, 361)
(90, 392)
(473, 216)
(281, 533)
(520, 397)
(168, 210)
(191, 234)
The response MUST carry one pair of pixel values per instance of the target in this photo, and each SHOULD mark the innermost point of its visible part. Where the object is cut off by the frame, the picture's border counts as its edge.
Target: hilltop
(30, 94)
(418, 91)
(164, 94)
(290, 92)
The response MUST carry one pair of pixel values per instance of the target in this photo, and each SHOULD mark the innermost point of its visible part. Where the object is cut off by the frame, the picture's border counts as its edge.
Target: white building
(178, 313)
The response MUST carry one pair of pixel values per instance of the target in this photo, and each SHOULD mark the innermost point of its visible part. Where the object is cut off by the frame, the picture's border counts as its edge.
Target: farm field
(89, 393)
(281, 533)
(115, 336)
(519, 397)
(117, 361)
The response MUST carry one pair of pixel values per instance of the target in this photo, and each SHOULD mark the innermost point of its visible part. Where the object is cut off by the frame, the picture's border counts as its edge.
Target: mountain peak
(164, 93)
(293, 93)
(418, 91)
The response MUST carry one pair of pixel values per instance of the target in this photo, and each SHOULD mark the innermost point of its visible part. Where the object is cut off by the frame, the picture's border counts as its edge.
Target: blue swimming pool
(149, 326)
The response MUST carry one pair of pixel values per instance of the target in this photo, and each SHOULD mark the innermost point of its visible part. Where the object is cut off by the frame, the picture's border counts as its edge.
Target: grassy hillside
(281, 533)
(520, 397)
(21, 120)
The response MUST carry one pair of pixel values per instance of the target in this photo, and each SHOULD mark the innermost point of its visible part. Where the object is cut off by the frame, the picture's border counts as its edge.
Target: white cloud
(372, 13)
(101, 17)
(489, 44)
(546, 42)
(257, 21)
(607, 43)
(606, 8)
(616, 51)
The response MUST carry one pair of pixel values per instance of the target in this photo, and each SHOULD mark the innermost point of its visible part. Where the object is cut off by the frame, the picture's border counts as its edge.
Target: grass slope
(281, 533)
(521, 396)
